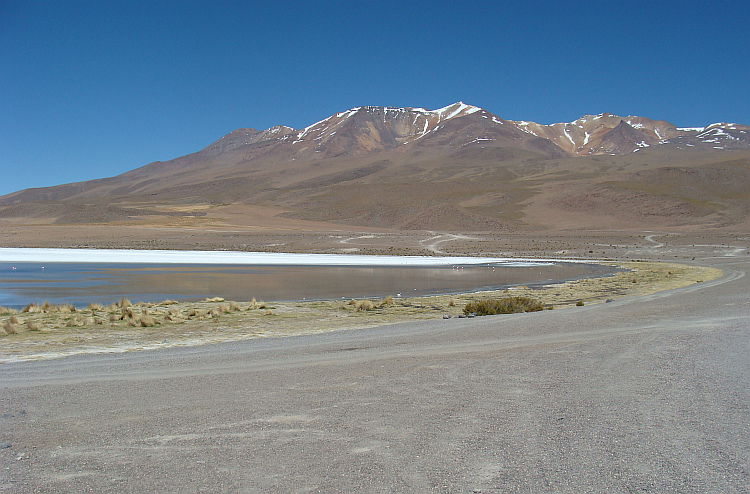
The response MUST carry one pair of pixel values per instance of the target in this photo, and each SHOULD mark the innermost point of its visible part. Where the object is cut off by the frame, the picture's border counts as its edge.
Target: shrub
(364, 305)
(386, 301)
(124, 303)
(32, 325)
(508, 305)
(94, 306)
(31, 308)
(579, 303)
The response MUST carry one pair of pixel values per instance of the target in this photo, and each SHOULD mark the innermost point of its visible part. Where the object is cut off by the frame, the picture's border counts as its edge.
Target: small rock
(446, 316)
(461, 316)
(5, 445)
(609, 300)
(472, 314)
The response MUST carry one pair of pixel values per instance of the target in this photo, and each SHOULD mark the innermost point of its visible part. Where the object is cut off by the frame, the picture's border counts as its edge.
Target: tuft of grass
(33, 326)
(4, 311)
(364, 305)
(579, 303)
(9, 328)
(32, 308)
(386, 301)
(124, 303)
(234, 306)
(451, 303)
(14, 319)
(146, 320)
(93, 306)
(508, 305)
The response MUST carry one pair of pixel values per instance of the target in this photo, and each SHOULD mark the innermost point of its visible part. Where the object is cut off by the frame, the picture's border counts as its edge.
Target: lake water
(80, 283)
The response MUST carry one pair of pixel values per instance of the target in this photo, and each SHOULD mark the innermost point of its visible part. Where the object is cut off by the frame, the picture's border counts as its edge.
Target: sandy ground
(650, 392)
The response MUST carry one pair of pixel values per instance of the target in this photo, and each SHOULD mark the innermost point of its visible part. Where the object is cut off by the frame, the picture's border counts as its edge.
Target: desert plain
(647, 393)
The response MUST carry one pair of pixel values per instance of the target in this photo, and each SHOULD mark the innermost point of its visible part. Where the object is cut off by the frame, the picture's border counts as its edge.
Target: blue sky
(91, 89)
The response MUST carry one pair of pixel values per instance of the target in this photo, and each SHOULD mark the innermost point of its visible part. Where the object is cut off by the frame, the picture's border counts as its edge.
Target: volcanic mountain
(458, 168)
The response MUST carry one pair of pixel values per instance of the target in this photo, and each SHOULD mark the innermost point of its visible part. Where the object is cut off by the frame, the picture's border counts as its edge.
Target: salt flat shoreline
(15, 254)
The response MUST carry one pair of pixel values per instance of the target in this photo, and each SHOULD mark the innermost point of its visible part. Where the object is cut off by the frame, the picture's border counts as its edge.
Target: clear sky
(91, 89)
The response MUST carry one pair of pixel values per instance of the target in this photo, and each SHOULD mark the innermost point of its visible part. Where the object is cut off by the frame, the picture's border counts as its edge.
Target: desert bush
(14, 319)
(386, 301)
(4, 311)
(579, 303)
(47, 307)
(508, 305)
(268, 312)
(124, 303)
(234, 306)
(33, 325)
(114, 318)
(451, 303)
(224, 308)
(32, 308)
(94, 306)
(364, 305)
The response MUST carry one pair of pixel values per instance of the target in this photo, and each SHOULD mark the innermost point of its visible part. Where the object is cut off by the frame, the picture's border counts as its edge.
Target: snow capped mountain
(609, 134)
(368, 129)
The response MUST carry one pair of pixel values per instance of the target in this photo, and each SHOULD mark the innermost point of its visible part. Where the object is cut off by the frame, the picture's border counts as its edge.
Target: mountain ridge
(459, 167)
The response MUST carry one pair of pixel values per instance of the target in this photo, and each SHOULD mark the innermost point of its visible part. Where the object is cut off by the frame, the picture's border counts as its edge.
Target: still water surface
(80, 283)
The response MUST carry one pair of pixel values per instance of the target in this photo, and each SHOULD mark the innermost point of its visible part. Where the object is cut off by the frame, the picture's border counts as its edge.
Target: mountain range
(458, 168)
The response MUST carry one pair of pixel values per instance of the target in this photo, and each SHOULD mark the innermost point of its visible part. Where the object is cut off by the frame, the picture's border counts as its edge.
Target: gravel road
(645, 394)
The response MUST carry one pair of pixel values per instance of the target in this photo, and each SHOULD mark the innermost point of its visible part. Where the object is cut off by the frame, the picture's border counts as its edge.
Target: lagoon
(80, 276)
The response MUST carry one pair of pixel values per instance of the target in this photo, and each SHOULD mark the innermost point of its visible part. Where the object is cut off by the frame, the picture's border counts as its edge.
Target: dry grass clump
(364, 305)
(508, 305)
(234, 306)
(76, 320)
(93, 306)
(123, 303)
(32, 325)
(14, 319)
(4, 311)
(9, 328)
(146, 320)
(32, 308)
(214, 299)
(386, 301)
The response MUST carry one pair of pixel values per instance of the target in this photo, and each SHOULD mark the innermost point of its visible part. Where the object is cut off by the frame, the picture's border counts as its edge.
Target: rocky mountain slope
(456, 168)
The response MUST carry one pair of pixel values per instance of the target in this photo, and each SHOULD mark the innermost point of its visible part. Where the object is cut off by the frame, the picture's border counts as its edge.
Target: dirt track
(647, 393)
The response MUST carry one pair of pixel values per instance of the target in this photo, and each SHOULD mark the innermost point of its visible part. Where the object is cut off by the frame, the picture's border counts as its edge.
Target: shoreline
(101, 330)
